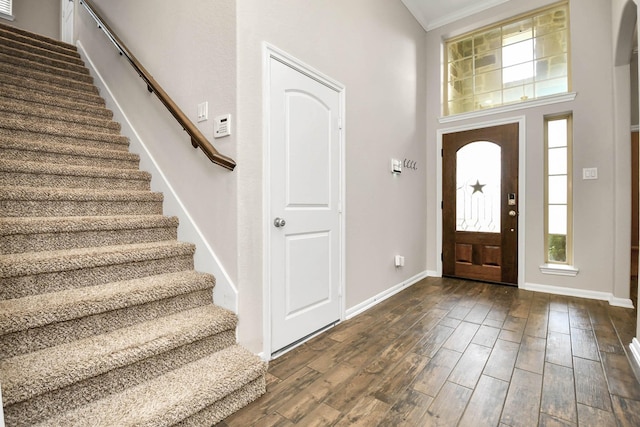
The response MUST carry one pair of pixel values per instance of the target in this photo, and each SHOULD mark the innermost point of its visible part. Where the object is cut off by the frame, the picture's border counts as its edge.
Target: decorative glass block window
(513, 61)
(558, 236)
(6, 8)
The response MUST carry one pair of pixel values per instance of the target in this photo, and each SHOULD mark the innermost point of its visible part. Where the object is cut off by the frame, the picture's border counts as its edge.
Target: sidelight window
(517, 60)
(558, 240)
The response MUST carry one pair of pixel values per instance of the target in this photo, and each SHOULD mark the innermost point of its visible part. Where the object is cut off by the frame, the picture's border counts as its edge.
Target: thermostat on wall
(222, 126)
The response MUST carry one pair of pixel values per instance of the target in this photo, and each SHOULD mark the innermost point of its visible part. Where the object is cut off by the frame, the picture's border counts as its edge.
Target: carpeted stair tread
(35, 57)
(75, 224)
(17, 81)
(35, 125)
(34, 49)
(68, 363)
(28, 95)
(177, 395)
(13, 107)
(41, 150)
(35, 263)
(80, 74)
(36, 174)
(75, 194)
(44, 309)
(35, 38)
(30, 76)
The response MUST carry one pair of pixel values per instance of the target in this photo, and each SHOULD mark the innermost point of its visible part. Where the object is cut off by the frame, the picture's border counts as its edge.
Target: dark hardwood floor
(448, 352)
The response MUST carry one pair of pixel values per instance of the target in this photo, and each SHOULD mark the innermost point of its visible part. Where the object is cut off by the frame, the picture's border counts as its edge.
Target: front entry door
(480, 204)
(305, 182)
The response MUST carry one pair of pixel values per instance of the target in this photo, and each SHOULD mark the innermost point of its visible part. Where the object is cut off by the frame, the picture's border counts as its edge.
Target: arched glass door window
(478, 187)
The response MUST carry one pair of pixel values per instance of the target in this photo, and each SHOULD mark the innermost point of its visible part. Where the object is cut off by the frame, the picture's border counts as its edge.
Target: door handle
(279, 222)
(513, 213)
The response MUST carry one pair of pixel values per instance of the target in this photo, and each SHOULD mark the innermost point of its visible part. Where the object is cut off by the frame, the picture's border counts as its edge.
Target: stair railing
(197, 138)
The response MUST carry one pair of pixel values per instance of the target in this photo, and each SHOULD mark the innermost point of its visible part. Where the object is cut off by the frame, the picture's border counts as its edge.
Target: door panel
(480, 222)
(305, 256)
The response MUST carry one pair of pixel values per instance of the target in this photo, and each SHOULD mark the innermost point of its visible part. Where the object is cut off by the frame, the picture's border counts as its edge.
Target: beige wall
(38, 16)
(597, 225)
(191, 52)
(376, 49)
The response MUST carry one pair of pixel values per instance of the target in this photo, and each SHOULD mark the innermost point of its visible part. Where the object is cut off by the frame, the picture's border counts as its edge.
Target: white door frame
(521, 120)
(269, 52)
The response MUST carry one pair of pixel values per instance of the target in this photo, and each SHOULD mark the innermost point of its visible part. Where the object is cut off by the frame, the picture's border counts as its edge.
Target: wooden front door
(480, 204)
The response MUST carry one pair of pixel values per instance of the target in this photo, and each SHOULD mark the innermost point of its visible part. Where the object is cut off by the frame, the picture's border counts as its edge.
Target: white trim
(377, 299)
(635, 349)
(433, 273)
(538, 102)
(8, 18)
(429, 25)
(559, 269)
(225, 294)
(521, 120)
(635, 128)
(580, 293)
(269, 51)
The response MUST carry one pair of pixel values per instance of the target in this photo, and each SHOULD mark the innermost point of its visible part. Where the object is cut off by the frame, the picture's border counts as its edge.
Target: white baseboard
(367, 304)
(225, 293)
(635, 350)
(433, 273)
(581, 293)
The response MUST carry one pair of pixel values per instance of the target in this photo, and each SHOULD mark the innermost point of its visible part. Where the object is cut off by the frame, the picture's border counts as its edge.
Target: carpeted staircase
(103, 320)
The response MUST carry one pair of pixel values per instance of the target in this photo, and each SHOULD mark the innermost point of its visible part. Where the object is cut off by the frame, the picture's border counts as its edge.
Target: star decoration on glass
(477, 187)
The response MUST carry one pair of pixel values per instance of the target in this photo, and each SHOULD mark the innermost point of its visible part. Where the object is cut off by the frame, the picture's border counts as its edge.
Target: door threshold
(302, 340)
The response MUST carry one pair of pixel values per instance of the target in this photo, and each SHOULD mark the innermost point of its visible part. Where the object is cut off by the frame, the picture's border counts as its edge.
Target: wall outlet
(399, 260)
(590, 173)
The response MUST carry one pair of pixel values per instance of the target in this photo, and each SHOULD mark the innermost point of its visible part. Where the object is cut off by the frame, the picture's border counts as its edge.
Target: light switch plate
(590, 173)
(203, 111)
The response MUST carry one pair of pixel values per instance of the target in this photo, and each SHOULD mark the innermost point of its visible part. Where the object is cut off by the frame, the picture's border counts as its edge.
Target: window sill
(547, 100)
(559, 269)
(7, 17)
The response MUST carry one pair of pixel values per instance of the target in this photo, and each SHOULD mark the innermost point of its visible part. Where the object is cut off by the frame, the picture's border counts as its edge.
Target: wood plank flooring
(449, 352)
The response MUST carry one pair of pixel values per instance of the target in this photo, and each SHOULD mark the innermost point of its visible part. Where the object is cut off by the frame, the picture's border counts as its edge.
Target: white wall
(594, 219)
(376, 49)
(46, 21)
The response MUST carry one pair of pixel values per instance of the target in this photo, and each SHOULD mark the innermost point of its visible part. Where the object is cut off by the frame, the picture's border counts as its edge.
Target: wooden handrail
(197, 138)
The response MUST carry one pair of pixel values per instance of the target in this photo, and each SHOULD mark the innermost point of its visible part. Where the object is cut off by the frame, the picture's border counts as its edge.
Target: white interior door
(305, 180)
(67, 21)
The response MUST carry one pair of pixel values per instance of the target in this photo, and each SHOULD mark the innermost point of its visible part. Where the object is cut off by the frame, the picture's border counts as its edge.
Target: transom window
(513, 61)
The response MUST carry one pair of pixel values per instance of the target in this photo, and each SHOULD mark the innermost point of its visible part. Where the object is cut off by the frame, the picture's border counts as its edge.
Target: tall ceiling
(435, 13)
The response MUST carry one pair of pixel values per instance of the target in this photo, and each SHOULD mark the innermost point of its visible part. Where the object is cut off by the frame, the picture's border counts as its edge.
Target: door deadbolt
(513, 213)
(279, 222)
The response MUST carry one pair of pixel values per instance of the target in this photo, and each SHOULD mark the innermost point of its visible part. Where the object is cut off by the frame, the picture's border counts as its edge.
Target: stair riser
(60, 181)
(17, 287)
(63, 332)
(81, 76)
(227, 405)
(38, 242)
(55, 402)
(48, 208)
(29, 58)
(39, 51)
(62, 135)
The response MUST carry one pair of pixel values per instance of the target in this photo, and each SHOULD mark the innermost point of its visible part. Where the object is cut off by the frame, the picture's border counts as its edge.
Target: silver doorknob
(279, 222)
(513, 213)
